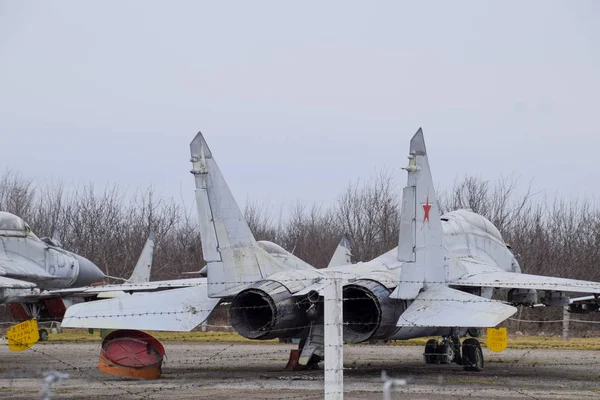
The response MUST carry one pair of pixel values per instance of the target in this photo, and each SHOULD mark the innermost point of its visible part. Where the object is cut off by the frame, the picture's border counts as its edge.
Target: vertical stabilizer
(420, 240)
(342, 254)
(228, 246)
(143, 267)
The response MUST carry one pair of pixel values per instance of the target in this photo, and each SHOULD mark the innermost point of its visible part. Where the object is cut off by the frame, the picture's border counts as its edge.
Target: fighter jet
(39, 279)
(438, 281)
(29, 264)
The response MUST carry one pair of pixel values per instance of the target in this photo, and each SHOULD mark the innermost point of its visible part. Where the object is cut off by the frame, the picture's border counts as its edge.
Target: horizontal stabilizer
(441, 306)
(179, 310)
(501, 279)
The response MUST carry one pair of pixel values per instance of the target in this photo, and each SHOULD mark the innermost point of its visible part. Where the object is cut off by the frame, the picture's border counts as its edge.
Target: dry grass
(82, 335)
(531, 342)
(514, 341)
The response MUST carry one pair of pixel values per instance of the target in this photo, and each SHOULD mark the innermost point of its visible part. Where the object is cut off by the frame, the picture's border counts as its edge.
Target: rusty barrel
(131, 354)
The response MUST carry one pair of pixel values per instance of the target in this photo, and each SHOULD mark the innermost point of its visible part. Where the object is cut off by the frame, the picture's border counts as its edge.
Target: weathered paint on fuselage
(25, 257)
(29, 259)
(466, 235)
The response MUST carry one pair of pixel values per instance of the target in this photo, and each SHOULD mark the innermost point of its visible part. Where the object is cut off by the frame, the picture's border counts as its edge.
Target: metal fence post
(334, 345)
(566, 318)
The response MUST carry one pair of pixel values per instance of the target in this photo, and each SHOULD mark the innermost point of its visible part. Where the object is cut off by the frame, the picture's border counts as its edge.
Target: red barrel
(131, 354)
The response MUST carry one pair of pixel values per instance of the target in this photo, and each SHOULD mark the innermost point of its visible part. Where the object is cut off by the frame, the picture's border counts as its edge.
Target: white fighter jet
(29, 266)
(29, 262)
(38, 277)
(437, 282)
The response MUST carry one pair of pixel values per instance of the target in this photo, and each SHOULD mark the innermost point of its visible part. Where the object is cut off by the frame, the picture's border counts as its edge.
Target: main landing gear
(43, 335)
(448, 350)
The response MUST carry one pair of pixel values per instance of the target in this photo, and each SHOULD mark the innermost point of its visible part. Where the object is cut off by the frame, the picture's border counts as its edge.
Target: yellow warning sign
(497, 339)
(22, 336)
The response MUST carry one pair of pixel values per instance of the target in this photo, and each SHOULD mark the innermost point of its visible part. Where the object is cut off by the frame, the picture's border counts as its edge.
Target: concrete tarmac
(255, 371)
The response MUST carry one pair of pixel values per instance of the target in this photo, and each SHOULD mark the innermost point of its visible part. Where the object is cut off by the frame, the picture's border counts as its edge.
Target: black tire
(443, 351)
(447, 351)
(472, 355)
(43, 335)
(431, 355)
(457, 352)
(474, 332)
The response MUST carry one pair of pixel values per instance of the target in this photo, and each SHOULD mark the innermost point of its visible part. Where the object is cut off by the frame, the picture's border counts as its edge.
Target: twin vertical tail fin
(341, 255)
(420, 245)
(232, 257)
(143, 267)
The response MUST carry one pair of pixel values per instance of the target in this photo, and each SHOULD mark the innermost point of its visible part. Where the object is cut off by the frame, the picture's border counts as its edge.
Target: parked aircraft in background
(437, 282)
(28, 262)
(342, 254)
(37, 275)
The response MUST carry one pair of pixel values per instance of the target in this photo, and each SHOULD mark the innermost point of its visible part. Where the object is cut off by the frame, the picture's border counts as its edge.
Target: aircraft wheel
(457, 353)
(472, 355)
(474, 332)
(446, 352)
(431, 355)
(43, 335)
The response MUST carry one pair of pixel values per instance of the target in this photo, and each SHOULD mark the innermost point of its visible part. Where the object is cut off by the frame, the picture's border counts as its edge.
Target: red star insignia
(426, 208)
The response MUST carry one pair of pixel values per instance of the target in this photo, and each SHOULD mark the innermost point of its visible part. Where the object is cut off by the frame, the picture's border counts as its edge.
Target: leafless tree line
(109, 226)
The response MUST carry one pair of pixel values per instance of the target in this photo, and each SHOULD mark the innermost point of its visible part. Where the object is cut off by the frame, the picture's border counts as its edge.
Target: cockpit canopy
(10, 223)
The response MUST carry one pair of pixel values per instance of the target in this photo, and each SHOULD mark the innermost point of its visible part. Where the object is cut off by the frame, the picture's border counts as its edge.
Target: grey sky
(296, 99)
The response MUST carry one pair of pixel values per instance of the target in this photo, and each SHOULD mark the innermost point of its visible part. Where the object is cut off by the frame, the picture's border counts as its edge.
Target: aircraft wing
(10, 283)
(441, 306)
(104, 291)
(171, 310)
(128, 287)
(481, 275)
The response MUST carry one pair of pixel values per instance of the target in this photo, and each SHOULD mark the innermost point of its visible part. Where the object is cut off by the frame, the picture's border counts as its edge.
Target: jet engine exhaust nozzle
(369, 313)
(267, 310)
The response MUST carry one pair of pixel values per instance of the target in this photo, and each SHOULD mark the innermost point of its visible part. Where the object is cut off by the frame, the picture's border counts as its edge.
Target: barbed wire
(220, 356)
(307, 281)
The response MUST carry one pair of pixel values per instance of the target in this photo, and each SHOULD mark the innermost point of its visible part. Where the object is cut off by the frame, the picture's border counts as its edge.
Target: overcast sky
(297, 99)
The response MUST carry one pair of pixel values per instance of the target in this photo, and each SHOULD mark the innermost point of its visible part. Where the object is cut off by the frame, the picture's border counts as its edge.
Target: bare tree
(369, 213)
(110, 226)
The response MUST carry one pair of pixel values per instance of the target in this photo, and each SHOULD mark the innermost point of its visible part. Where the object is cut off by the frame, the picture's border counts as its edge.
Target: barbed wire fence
(66, 369)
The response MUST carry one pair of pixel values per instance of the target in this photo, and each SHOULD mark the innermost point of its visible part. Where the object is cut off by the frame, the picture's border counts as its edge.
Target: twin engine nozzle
(268, 310)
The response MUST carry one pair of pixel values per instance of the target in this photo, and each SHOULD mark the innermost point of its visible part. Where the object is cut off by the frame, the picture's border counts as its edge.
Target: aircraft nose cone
(88, 273)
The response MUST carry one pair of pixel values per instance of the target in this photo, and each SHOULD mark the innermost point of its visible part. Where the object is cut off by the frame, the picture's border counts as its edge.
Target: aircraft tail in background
(342, 254)
(143, 267)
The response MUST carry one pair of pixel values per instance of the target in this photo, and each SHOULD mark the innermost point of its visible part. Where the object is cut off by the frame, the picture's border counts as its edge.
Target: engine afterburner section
(268, 310)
